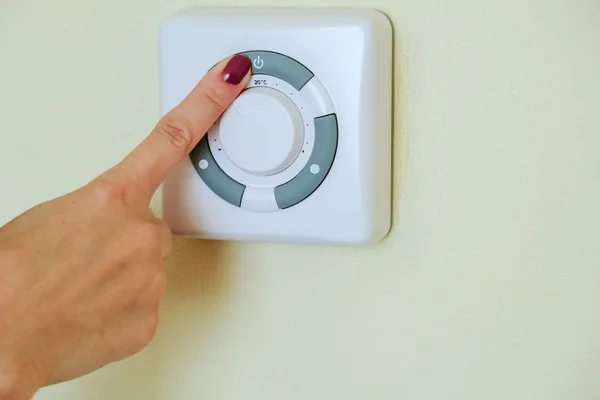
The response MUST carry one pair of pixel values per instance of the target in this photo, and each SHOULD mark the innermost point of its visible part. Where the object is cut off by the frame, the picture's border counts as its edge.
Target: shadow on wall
(198, 286)
(400, 128)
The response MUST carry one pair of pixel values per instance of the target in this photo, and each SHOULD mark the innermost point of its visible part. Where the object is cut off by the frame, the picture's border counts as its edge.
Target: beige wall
(488, 286)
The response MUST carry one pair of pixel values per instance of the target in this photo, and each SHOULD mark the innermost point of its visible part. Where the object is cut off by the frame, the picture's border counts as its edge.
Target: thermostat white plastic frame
(350, 52)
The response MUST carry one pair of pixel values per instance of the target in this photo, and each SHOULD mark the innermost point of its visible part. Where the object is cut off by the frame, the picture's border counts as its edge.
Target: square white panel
(317, 109)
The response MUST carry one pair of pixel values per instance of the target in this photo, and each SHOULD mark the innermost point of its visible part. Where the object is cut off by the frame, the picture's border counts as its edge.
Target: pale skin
(81, 276)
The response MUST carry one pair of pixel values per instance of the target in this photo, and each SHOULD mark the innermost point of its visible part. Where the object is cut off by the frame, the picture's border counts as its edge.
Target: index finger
(180, 130)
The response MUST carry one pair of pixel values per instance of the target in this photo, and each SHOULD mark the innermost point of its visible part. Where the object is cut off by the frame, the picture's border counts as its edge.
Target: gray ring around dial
(280, 66)
(218, 181)
(323, 154)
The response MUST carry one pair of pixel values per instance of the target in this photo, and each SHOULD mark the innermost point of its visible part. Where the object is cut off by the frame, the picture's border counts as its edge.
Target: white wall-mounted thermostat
(310, 161)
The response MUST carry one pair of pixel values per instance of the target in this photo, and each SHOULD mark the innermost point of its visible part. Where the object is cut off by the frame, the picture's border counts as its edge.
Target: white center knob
(262, 131)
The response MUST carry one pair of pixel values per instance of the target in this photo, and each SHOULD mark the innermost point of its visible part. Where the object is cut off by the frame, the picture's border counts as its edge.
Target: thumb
(180, 130)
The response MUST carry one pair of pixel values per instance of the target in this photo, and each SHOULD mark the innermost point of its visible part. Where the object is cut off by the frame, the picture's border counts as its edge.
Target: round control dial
(275, 145)
(262, 131)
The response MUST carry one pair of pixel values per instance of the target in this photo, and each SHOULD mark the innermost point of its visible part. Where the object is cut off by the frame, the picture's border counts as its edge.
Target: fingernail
(236, 69)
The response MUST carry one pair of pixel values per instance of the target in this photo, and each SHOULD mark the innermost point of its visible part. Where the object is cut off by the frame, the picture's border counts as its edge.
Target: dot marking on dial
(203, 164)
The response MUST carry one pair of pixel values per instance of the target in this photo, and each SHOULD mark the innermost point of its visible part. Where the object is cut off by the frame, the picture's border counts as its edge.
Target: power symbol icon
(258, 62)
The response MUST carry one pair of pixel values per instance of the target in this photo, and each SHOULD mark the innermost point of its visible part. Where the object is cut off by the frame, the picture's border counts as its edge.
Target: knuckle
(159, 285)
(146, 332)
(109, 193)
(177, 131)
(215, 98)
(151, 287)
(149, 235)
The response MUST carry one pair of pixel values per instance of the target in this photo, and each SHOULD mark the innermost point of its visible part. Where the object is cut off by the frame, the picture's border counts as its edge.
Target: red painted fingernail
(236, 69)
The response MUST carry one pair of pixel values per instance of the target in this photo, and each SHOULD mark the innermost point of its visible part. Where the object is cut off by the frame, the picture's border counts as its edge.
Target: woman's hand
(81, 276)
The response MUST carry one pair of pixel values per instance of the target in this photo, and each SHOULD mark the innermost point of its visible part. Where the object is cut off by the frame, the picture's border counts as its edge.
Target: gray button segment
(323, 154)
(214, 177)
(280, 66)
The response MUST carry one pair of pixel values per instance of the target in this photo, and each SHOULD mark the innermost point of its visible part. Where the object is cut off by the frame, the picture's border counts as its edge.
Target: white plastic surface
(350, 53)
(259, 199)
(262, 132)
(317, 98)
